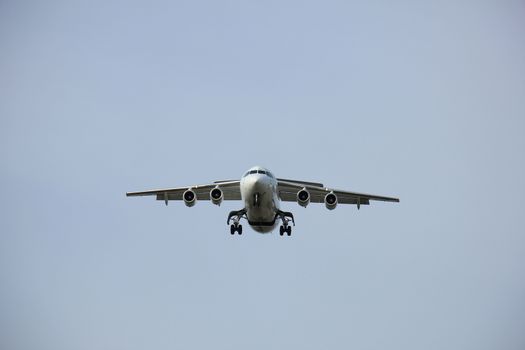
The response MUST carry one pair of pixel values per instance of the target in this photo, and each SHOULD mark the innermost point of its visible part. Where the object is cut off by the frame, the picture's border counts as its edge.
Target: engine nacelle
(189, 197)
(330, 201)
(303, 197)
(216, 196)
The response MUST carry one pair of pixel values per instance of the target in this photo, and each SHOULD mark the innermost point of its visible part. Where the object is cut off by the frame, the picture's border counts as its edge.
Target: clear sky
(420, 100)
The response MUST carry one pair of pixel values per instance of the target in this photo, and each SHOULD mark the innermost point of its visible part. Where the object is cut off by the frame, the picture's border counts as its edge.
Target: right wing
(231, 191)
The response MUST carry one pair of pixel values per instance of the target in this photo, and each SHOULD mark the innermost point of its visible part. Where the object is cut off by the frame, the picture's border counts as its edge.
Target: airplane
(261, 192)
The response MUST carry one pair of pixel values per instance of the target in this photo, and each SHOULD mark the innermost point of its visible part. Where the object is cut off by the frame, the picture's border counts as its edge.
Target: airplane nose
(256, 181)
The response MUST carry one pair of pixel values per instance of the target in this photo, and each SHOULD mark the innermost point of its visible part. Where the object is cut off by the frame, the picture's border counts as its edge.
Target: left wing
(287, 190)
(231, 191)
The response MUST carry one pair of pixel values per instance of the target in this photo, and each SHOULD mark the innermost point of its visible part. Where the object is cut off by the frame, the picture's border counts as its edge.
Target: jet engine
(190, 198)
(330, 201)
(216, 196)
(303, 197)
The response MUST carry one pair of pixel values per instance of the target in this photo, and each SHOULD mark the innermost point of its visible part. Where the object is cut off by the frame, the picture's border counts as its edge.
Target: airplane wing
(287, 190)
(231, 191)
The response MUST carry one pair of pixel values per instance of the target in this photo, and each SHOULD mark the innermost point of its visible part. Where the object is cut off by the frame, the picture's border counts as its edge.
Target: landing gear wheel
(236, 228)
(289, 230)
(281, 230)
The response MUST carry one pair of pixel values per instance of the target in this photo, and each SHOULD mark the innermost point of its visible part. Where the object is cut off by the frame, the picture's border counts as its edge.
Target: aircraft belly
(260, 213)
(262, 217)
(261, 206)
(264, 229)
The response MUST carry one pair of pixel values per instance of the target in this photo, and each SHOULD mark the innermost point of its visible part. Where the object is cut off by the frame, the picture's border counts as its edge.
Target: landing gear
(285, 217)
(285, 228)
(236, 216)
(236, 228)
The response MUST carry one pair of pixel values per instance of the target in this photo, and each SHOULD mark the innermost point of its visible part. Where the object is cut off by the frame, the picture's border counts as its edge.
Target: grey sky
(421, 100)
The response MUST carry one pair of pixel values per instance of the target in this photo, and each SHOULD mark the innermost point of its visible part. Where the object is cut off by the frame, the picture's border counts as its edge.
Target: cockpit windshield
(264, 172)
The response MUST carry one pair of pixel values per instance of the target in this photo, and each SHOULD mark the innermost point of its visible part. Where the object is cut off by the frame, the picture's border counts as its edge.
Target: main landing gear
(287, 229)
(285, 217)
(236, 227)
(236, 216)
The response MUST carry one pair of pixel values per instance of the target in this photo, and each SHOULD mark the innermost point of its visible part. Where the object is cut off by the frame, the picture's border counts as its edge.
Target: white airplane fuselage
(259, 194)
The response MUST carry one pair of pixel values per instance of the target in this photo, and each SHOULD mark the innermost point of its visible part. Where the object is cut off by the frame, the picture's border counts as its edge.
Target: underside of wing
(288, 190)
(318, 197)
(230, 189)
